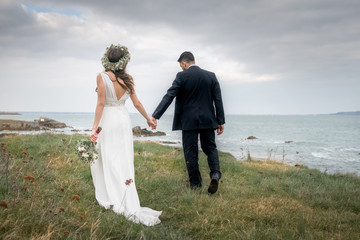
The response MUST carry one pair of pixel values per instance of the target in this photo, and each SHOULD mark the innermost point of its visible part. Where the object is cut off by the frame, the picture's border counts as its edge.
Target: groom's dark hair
(187, 57)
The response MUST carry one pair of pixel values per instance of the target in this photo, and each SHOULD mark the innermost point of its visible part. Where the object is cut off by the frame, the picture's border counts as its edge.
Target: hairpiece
(119, 65)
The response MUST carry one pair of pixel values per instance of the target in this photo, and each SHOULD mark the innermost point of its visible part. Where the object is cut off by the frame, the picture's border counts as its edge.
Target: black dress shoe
(213, 186)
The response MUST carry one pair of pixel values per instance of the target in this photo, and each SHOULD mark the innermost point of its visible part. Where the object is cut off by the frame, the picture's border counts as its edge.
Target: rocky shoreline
(143, 132)
(9, 113)
(44, 123)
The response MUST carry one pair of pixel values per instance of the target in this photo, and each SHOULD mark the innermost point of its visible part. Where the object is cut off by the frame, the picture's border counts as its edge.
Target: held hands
(154, 120)
(220, 129)
(152, 123)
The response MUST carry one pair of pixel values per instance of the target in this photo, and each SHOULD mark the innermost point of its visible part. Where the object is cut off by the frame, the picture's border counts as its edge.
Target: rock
(41, 124)
(289, 141)
(50, 123)
(8, 124)
(9, 113)
(138, 132)
(252, 137)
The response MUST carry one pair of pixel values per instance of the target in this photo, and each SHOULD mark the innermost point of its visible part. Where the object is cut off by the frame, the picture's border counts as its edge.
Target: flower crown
(119, 65)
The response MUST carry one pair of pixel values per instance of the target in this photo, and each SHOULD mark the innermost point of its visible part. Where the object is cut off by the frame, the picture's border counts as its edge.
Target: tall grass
(49, 194)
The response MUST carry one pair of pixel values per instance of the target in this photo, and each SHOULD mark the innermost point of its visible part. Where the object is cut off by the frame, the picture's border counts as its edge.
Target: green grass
(255, 200)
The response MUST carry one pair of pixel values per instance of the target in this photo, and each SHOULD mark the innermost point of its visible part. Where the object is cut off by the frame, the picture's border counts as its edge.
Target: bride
(113, 172)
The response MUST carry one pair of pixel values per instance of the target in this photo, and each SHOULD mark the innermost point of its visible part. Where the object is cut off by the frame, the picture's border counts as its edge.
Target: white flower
(81, 149)
(87, 150)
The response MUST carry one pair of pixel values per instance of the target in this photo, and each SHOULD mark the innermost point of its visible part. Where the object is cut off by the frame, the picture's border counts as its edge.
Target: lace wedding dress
(113, 173)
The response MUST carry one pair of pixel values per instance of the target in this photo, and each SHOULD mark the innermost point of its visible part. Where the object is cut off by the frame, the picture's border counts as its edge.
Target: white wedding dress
(113, 172)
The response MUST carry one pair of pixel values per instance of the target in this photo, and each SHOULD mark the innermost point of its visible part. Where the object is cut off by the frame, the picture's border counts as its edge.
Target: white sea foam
(320, 155)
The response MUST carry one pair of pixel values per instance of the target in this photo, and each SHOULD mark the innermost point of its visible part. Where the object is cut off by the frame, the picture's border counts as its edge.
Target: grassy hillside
(47, 192)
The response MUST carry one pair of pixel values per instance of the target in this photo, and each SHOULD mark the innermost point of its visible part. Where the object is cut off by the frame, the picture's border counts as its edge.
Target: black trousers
(191, 150)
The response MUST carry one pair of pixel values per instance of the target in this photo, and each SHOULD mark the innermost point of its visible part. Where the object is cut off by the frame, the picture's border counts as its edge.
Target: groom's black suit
(198, 110)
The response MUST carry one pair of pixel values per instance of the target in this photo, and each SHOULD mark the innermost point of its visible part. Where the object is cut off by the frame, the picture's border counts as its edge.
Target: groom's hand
(151, 124)
(220, 129)
(155, 122)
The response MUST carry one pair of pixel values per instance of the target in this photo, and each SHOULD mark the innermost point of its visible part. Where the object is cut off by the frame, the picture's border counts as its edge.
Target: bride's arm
(99, 107)
(141, 109)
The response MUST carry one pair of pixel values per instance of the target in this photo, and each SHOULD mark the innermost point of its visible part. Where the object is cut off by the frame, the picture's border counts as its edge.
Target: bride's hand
(151, 124)
(93, 136)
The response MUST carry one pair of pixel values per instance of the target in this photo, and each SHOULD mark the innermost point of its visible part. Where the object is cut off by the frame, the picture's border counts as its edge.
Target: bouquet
(86, 149)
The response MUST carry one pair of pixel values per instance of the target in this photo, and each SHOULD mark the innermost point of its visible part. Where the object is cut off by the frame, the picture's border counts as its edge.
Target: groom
(198, 111)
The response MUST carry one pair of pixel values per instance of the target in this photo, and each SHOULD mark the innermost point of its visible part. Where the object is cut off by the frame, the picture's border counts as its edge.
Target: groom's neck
(189, 64)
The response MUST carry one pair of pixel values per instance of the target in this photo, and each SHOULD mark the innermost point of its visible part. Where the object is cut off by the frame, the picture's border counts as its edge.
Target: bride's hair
(115, 55)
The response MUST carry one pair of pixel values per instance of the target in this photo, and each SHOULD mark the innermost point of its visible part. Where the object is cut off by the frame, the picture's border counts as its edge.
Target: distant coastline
(357, 113)
(9, 113)
(314, 114)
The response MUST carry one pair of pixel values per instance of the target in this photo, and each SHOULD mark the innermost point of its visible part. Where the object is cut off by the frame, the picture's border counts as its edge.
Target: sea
(330, 143)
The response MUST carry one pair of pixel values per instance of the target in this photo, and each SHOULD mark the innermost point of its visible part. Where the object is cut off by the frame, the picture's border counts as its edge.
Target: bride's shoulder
(100, 74)
(103, 74)
(99, 78)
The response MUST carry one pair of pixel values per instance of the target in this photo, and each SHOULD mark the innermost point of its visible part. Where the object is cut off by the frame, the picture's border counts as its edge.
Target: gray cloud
(289, 44)
(307, 37)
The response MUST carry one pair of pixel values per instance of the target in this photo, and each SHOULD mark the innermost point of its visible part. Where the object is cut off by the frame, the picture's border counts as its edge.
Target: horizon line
(247, 114)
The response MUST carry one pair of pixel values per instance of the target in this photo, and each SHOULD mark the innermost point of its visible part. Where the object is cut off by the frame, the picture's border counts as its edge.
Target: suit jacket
(198, 102)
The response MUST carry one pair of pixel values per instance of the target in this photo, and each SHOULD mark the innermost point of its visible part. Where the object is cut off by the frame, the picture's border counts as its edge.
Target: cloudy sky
(271, 57)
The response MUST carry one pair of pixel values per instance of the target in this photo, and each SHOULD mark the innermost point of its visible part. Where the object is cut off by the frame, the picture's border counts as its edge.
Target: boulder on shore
(42, 123)
(252, 137)
(50, 123)
(138, 132)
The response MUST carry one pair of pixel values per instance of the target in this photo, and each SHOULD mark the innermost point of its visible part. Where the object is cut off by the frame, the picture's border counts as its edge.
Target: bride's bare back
(119, 90)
